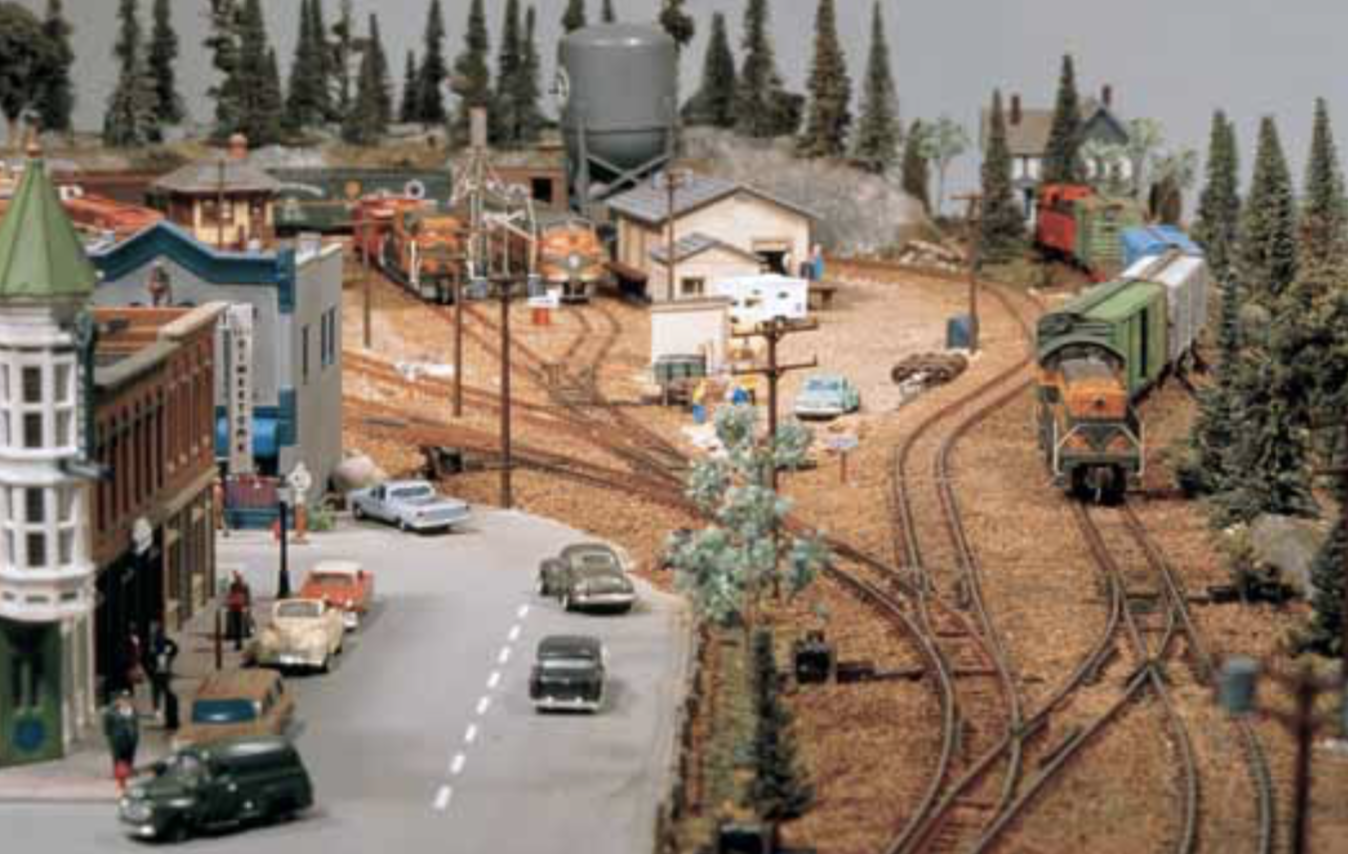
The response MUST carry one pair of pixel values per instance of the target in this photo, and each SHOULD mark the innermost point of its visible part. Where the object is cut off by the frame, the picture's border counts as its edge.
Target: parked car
(228, 783)
(827, 396)
(236, 703)
(412, 505)
(588, 576)
(304, 633)
(569, 673)
(343, 583)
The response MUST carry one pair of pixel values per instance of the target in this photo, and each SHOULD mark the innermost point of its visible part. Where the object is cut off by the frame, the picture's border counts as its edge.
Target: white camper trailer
(759, 299)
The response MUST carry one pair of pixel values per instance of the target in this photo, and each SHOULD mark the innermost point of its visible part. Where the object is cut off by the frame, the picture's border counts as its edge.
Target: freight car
(1077, 224)
(1099, 354)
(325, 200)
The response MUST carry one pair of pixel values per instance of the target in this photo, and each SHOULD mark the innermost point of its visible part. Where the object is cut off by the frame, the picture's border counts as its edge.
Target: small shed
(699, 260)
(694, 327)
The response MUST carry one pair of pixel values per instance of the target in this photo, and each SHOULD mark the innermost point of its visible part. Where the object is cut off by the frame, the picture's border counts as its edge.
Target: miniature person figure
(160, 653)
(817, 262)
(239, 601)
(160, 285)
(135, 654)
(122, 729)
(218, 505)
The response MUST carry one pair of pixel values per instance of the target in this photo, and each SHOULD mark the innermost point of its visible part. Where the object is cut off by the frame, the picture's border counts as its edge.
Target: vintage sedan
(412, 505)
(827, 396)
(569, 673)
(588, 576)
(304, 633)
(344, 584)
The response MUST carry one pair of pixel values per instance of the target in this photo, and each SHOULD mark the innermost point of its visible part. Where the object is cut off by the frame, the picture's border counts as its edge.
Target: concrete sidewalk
(85, 774)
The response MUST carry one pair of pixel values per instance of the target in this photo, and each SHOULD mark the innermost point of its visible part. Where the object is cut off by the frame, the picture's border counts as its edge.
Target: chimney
(1015, 109)
(238, 147)
(1107, 96)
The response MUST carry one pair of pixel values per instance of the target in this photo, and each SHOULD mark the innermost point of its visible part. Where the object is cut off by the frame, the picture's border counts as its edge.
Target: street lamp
(1237, 692)
(283, 499)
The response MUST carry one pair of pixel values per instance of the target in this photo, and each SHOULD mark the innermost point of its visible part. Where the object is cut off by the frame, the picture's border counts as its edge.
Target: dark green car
(226, 783)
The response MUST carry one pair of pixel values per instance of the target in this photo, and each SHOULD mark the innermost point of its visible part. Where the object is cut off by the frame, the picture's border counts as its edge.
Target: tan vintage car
(304, 633)
(235, 703)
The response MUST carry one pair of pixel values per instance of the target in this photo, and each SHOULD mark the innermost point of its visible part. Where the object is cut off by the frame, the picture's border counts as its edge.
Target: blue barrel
(699, 413)
(959, 332)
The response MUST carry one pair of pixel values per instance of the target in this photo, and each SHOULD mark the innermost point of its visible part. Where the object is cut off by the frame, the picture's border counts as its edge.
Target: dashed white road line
(494, 679)
(471, 735)
(442, 798)
(456, 766)
(483, 704)
(523, 611)
(515, 633)
(504, 656)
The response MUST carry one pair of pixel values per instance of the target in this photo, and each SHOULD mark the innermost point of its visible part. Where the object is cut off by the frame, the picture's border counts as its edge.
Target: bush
(322, 518)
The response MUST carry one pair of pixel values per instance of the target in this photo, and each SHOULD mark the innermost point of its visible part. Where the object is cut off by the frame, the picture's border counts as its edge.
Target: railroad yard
(1082, 631)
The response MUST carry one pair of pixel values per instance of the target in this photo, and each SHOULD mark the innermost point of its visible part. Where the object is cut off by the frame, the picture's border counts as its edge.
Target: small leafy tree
(1145, 136)
(916, 174)
(1173, 173)
(943, 142)
(727, 568)
(26, 59)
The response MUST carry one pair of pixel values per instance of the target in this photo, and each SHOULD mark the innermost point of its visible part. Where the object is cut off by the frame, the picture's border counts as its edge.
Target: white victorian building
(46, 575)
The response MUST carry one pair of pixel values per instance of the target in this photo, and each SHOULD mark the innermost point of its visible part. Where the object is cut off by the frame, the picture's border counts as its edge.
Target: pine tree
(916, 173)
(272, 100)
(130, 119)
(1001, 229)
(763, 106)
(433, 71)
(56, 93)
(877, 143)
(609, 16)
(163, 54)
(1062, 163)
(407, 112)
(1218, 225)
(780, 791)
(505, 121)
(223, 43)
(383, 84)
(472, 77)
(324, 64)
(259, 116)
(527, 88)
(343, 50)
(574, 17)
(714, 103)
(1327, 579)
(364, 123)
(1323, 220)
(678, 23)
(830, 90)
(1268, 248)
(302, 108)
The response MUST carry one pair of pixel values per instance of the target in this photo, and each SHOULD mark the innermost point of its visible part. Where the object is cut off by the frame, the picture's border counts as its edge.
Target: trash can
(959, 332)
(699, 413)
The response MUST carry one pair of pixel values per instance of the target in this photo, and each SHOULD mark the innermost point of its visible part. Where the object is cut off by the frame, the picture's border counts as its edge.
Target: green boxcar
(1100, 225)
(1128, 316)
(30, 692)
(321, 199)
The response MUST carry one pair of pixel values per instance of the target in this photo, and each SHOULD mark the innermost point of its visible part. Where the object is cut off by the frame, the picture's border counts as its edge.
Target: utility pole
(774, 331)
(674, 180)
(972, 219)
(220, 204)
(363, 228)
(458, 344)
(507, 494)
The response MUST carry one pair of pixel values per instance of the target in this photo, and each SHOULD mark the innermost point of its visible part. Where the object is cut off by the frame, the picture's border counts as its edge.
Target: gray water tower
(616, 88)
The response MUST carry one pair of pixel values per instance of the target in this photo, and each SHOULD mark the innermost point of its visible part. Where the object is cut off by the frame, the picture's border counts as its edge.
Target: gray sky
(1174, 60)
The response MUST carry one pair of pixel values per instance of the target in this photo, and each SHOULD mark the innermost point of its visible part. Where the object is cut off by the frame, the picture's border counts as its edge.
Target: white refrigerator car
(758, 299)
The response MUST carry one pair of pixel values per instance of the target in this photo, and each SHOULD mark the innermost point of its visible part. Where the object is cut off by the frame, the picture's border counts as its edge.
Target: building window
(67, 544)
(692, 287)
(37, 550)
(32, 384)
(304, 355)
(35, 506)
(32, 430)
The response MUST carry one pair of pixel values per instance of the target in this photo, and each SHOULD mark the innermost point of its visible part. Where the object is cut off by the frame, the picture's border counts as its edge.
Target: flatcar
(1099, 354)
(1077, 224)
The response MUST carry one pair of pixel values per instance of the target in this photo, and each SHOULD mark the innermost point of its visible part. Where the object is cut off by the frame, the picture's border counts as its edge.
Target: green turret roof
(41, 257)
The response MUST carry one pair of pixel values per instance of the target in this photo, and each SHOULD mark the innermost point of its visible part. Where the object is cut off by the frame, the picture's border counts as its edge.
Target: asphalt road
(423, 739)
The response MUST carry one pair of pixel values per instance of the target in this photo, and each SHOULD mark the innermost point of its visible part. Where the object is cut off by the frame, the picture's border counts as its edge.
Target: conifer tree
(1327, 579)
(130, 119)
(527, 89)
(407, 112)
(1001, 232)
(260, 116)
(878, 131)
(472, 77)
(916, 173)
(780, 789)
(1062, 163)
(344, 49)
(1218, 225)
(829, 115)
(1323, 219)
(24, 63)
(163, 54)
(678, 23)
(574, 17)
(324, 63)
(302, 108)
(505, 120)
(1268, 250)
(433, 70)
(714, 103)
(56, 93)
(272, 100)
(383, 84)
(223, 43)
(609, 16)
(364, 123)
(763, 106)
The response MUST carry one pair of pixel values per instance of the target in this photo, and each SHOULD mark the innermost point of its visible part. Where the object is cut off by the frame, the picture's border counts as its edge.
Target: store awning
(265, 445)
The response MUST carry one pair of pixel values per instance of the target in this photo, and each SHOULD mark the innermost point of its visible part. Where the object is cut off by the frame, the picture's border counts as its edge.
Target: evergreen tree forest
(131, 118)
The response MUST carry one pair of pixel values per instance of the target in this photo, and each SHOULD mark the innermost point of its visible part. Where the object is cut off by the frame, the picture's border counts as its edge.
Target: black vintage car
(569, 673)
(222, 784)
(587, 576)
